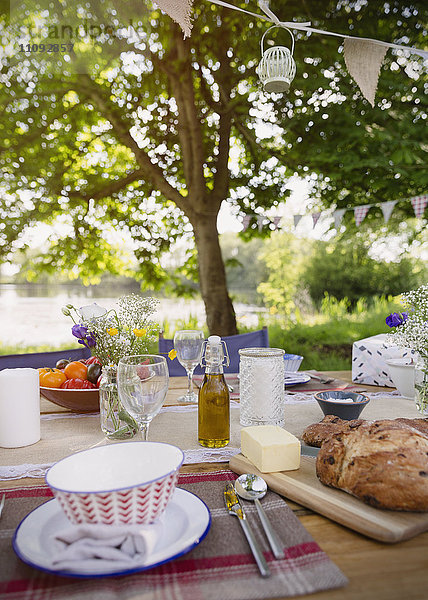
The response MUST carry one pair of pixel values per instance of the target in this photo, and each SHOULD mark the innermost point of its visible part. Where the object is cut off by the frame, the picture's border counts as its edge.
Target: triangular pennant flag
(296, 219)
(338, 216)
(363, 60)
(315, 217)
(276, 221)
(179, 11)
(419, 203)
(260, 220)
(360, 212)
(246, 221)
(387, 208)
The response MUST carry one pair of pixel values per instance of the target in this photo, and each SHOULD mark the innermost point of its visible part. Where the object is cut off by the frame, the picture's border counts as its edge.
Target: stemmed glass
(142, 383)
(188, 345)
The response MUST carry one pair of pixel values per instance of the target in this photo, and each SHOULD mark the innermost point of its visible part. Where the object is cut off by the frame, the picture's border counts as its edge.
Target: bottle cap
(214, 340)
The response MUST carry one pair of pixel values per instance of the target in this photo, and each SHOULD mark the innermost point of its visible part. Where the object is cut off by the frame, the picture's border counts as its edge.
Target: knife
(234, 507)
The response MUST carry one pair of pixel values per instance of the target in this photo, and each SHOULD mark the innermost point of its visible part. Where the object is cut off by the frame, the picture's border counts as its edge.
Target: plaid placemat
(221, 567)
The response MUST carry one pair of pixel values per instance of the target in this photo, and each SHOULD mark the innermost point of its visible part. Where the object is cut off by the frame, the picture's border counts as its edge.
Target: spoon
(252, 487)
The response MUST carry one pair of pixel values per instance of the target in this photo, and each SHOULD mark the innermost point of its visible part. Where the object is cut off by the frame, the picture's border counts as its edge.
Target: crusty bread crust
(316, 434)
(384, 463)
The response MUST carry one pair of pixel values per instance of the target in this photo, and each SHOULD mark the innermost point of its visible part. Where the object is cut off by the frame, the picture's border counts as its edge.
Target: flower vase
(116, 422)
(421, 385)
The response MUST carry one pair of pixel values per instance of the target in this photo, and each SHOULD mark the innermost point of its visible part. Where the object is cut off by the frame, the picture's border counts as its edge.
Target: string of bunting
(363, 56)
(419, 204)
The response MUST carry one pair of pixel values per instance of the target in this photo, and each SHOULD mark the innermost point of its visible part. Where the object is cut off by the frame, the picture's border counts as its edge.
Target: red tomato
(92, 360)
(78, 384)
(88, 385)
(76, 369)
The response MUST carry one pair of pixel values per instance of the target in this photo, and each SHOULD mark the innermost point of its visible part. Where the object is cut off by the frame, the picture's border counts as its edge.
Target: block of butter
(270, 448)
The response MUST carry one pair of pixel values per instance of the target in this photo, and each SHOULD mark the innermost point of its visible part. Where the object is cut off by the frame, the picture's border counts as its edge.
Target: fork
(2, 503)
(321, 379)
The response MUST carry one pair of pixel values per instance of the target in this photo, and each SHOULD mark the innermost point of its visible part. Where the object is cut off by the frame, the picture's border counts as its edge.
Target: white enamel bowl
(122, 483)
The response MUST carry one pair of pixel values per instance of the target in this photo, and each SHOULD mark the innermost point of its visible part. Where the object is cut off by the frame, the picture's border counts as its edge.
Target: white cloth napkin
(87, 547)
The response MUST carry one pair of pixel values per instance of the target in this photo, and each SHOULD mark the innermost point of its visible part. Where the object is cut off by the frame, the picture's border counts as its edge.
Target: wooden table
(375, 570)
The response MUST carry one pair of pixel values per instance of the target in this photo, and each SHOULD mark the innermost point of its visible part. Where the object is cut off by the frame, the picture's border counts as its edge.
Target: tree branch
(151, 171)
(111, 187)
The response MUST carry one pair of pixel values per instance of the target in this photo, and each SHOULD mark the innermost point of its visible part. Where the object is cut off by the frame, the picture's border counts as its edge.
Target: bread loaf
(315, 434)
(384, 463)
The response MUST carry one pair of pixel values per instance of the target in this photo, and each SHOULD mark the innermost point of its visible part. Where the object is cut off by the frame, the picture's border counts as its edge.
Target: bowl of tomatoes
(72, 384)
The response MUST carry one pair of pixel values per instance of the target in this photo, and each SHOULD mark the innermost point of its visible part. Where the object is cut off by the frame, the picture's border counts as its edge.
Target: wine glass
(188, 345)
(142, 383)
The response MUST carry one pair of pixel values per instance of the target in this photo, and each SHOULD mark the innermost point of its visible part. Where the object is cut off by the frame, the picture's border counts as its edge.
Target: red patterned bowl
(122, 483)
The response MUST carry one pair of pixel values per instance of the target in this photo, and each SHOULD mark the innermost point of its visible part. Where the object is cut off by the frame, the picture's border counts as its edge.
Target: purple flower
(84, 338)
(79, 331)
(396, 319)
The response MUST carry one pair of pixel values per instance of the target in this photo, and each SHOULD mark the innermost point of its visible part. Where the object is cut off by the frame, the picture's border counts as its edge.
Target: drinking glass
(188, 345)
(142, 382)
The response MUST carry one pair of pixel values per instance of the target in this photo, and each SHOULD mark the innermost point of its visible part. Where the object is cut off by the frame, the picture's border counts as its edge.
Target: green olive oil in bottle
(213, 401)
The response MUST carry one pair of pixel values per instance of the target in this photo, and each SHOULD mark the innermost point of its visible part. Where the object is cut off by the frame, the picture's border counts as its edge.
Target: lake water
(31, 315)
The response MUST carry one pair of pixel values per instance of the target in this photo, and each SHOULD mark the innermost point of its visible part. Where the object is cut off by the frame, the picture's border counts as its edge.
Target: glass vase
(421, 385)
(262, 399)
(116, 422)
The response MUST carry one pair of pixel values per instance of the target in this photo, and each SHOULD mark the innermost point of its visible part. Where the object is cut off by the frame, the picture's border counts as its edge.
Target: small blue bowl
(330, 404)
(292, 362)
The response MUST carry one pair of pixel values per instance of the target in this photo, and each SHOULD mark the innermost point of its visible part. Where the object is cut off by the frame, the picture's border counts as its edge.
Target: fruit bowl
(76, 400)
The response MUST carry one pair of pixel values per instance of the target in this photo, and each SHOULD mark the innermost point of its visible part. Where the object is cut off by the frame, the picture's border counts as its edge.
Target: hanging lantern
(277, 67)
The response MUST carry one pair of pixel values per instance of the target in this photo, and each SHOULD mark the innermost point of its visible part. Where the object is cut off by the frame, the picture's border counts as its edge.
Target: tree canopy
(130, 135)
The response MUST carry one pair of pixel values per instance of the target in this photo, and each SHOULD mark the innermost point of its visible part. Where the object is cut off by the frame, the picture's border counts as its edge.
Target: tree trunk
(219, 309)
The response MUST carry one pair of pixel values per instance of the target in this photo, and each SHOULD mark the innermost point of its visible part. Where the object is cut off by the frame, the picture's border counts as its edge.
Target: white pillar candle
(19, 407)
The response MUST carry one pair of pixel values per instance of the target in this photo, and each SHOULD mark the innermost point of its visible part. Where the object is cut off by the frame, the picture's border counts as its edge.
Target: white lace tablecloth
(64, 433)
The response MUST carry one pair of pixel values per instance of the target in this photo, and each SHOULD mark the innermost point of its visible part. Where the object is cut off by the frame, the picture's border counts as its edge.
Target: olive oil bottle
(213, 400)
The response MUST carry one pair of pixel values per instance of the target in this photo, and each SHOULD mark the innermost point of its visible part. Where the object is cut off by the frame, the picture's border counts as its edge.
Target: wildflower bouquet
(411, 331)
(411, 326)
(115, 333)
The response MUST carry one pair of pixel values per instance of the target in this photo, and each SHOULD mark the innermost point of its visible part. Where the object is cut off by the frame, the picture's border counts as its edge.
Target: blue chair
(41, 359)
(253, 339)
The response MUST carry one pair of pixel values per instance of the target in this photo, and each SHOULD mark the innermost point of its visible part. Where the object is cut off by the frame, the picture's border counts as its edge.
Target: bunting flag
(419, 203)
(387, 208)
(246, 221)
(296, 219)
(338, 216)
(363, 59)
(315, 218)
(360, 213)
(275, 222)
(180, 11)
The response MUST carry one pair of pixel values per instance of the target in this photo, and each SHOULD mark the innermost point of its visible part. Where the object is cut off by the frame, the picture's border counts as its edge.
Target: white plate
(183, 526)
(292, 378)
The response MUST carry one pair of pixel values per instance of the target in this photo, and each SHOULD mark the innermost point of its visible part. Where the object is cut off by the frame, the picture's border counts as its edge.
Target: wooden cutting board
(303, 487)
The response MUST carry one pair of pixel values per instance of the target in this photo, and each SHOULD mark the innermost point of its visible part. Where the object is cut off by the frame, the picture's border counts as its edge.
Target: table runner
(221, 567)
(63, 436)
